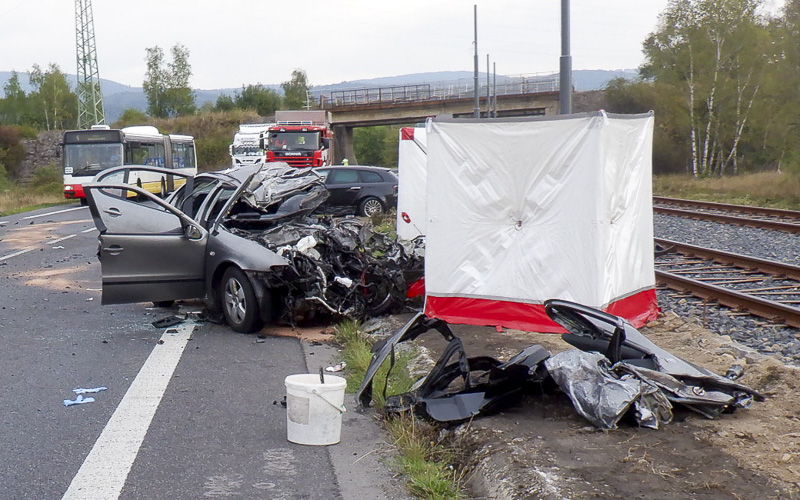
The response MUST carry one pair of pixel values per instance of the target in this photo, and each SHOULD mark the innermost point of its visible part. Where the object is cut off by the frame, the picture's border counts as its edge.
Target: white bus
(87, 152)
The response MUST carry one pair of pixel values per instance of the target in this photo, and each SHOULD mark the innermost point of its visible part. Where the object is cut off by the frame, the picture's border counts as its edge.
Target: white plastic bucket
(313, 409)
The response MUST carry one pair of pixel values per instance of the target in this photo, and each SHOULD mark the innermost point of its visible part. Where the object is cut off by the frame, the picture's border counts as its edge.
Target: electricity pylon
(90, 97)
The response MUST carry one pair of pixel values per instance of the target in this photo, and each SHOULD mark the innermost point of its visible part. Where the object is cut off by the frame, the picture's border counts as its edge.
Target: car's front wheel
(239, 302)
(370, 206)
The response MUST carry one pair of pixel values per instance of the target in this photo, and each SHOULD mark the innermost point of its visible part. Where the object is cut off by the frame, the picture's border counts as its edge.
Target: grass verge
(426, 463)
(22, 200)
(45, 190)
(765, 189)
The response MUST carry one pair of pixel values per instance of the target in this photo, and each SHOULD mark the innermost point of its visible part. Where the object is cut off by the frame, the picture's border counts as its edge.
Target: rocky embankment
(41, 151)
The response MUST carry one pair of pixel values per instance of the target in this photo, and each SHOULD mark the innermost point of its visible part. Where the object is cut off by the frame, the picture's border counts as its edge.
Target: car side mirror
(193, 232)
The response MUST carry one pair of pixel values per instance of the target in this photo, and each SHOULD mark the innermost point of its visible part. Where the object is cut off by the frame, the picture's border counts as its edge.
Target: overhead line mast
(90, 96)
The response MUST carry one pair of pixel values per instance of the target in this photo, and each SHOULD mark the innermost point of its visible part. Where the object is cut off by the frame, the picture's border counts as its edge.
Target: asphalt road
(187, 414)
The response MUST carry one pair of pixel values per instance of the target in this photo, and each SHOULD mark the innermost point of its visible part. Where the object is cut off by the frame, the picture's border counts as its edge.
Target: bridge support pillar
(343, 145)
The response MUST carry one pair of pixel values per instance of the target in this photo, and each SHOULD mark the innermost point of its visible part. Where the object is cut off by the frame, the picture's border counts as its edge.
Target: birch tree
(715, 50)
(166, 85)
(55, 104)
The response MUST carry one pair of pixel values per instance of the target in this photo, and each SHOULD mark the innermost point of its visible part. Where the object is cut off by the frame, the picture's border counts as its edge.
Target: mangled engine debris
(336, 266)
(613, 372)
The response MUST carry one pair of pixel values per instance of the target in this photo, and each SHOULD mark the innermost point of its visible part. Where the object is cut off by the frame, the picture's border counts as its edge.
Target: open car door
(149, 250)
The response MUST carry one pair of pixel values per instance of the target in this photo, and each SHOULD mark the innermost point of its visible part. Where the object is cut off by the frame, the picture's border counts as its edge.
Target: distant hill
(118, 97)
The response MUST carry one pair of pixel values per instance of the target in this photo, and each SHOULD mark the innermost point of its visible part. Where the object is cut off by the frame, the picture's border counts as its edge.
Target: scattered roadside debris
(89, 391)
(336, 368)
(459, 389)
(168, 321)
(632, 356)
(79, 400)
(613, 371)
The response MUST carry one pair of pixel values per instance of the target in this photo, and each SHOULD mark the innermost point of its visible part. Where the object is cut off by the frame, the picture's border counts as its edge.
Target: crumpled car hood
(278, 182)
(336, 266)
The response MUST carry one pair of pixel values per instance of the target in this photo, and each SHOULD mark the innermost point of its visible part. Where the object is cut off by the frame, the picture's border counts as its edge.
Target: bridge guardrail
(437, 91)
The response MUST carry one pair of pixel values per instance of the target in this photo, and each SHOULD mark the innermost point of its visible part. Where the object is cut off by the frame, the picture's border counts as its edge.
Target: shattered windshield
(294, 141)
(89, 159)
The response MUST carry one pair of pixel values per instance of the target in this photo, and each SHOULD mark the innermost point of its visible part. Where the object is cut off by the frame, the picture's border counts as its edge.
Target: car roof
(239, 173)
(355, 167)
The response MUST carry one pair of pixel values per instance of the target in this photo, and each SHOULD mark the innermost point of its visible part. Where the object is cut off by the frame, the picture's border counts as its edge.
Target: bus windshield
(89, 159)
(293, 141)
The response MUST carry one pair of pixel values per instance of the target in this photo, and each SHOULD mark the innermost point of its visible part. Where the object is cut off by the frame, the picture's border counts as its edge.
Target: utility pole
(488, 90)
(494, 90)
(476, 110)
(565, 77)
(90, 97)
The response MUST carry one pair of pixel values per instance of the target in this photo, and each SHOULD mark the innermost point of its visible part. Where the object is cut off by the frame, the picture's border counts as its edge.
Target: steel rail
(732, 259)
(770, 309)
(770, 212)
(774, 311)
(777, 219)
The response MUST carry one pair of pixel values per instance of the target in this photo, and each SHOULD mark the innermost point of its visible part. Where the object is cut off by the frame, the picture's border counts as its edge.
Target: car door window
(218, 202)
(121, 212)
(191, 204)
(342, 177)
(367, 176)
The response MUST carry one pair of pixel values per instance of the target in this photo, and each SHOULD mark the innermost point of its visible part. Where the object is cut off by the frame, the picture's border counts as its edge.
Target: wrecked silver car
(245, 239)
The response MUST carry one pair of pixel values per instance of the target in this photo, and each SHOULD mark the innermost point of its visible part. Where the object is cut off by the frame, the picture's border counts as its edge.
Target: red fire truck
(300, 138)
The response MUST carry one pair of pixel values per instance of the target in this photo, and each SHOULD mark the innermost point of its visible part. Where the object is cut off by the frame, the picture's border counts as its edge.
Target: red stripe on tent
(407, 133)
(638, 309)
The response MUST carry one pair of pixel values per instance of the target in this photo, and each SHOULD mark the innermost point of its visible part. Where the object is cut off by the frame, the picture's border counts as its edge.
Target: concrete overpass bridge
(402, 105)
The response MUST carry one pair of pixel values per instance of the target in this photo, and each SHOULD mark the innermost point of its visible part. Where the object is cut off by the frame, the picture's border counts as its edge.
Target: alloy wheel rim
(235, 300)
(372, 207)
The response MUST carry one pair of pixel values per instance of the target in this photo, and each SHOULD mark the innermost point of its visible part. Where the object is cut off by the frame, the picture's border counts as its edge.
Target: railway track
(765, 218)
(762, 287)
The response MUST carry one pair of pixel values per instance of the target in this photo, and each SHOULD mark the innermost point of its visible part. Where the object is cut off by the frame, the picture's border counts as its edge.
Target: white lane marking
(49, 242)
(89, 230)
(26, 250)
(53, 213)
(106, 468)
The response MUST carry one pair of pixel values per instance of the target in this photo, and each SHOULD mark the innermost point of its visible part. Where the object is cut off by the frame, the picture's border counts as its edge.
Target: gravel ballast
(756, 333)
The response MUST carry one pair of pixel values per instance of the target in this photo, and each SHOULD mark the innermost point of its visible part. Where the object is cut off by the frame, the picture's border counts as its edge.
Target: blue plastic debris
(79, 400)
(88, 391)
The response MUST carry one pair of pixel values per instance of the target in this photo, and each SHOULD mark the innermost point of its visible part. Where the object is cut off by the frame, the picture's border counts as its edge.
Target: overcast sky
(234, 42)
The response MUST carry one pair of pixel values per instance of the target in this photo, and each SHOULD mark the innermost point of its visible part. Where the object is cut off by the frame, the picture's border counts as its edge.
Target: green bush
(212, 153)
(5, 184)
(47, 179)
(11, 151)
(26, 132)
(131, 116)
